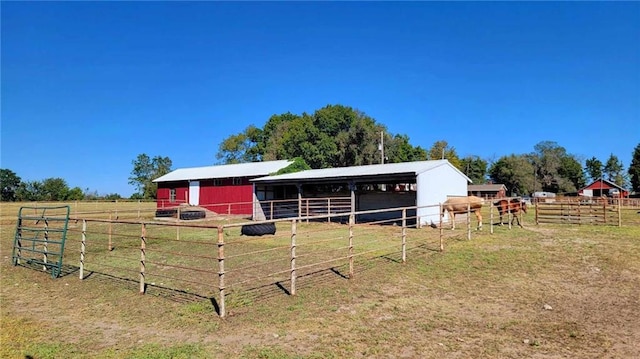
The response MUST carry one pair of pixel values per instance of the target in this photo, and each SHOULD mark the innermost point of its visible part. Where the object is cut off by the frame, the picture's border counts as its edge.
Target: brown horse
(513, 206)
(457, 205)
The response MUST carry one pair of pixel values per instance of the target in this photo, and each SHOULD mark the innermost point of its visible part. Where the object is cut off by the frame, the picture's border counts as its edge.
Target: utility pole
(381, 147)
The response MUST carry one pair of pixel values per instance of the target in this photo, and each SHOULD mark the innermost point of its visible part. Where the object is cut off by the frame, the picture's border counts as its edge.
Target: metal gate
(40, 236)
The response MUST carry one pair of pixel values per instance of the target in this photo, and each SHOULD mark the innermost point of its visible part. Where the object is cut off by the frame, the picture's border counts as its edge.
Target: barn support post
(221, 289)
(404, 235)
(143, 255)
(83, 247)
(441, 230)
(469, 221)
(293, 256)
(352, 220)
(110, 231)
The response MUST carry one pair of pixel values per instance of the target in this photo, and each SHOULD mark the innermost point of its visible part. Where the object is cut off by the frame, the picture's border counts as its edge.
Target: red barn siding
(163, 197)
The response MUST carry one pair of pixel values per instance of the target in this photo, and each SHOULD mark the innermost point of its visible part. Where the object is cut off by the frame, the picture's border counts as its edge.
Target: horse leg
(479, 218)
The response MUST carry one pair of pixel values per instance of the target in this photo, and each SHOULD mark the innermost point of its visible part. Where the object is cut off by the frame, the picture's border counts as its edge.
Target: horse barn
(222, 189)
(424, 184)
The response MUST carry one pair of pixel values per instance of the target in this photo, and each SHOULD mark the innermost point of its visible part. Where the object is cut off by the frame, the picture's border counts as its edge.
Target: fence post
(491, 217)
(221, 271)
(441, 229)
(45, 244)
(469, 221)
(178, 227)
(110, 231)
(604, 211)
(619, 213)
(271, 210)
(83, 247)
(329, 209)
(143, 256)
(536, 207)
(138, 208)
(307, 209)
(509, 213)
(351, 222)
(404, 235)
(293, 256)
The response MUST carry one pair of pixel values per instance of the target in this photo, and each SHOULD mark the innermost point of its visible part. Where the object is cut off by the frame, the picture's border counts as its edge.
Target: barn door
(194, 193)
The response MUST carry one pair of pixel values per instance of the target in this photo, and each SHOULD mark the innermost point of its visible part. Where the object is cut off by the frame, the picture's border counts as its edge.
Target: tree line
(341, 136)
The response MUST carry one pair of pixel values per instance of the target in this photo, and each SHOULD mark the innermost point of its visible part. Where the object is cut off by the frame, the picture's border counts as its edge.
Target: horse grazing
(513, 206)
(457, 205)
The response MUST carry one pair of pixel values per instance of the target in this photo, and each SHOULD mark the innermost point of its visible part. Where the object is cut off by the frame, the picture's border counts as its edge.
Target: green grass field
(483, 298)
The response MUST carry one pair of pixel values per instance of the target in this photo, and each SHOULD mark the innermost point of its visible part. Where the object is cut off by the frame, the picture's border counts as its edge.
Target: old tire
(258, 229)
(166, 212)
(189, 215)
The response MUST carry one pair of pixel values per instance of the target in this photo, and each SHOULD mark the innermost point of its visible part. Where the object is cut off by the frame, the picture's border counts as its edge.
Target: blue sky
(87, 86)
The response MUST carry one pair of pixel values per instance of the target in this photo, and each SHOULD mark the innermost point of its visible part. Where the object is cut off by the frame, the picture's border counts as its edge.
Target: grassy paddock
(483, 298)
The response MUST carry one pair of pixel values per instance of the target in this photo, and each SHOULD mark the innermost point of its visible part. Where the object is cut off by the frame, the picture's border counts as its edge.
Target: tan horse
(457, 205)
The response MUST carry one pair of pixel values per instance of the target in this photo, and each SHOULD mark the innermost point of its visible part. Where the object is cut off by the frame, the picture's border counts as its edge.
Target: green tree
(614, 171)
(30, 191)
(75, 194)
(441, 149)
(514, 171)
(634, 169)
(9, 184)
(145, 170)
(54, 189)
(297, 165)
(475, 168)
(571, 174)
(593, 167)
(333, 136)
(400, 150)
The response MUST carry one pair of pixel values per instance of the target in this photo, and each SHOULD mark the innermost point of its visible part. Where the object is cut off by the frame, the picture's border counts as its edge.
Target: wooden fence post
(329, 209)
(351, 222)
(293, 256)
(404, 235)
(143, 256)
(83, 247)
(178, 227)
(221, 289)
(619, 213)
(271, 210)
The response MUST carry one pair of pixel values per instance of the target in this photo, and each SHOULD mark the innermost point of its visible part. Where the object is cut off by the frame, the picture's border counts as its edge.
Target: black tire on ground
(258, 229)
(166, 212)
(189, 215)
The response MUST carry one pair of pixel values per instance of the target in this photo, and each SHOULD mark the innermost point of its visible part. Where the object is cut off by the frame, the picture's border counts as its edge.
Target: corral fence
(211, 259)
(612, 212)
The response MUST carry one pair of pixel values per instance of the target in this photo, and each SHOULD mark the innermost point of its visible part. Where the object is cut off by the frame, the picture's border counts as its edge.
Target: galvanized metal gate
(40, 236)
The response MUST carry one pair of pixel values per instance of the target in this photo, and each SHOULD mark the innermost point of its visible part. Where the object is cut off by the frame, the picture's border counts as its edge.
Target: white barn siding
(433, 188)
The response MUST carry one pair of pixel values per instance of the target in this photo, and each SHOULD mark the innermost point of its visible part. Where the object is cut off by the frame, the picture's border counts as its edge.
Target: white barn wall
(433, 187)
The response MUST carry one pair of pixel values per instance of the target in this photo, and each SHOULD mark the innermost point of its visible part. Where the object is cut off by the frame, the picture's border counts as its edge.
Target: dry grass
(482, 298)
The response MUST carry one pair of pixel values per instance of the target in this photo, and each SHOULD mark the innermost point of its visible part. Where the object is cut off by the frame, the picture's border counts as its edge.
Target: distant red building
(222, 189)
(601, 187)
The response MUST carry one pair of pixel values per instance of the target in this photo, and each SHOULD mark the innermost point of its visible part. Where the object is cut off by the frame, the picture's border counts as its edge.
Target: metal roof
(486, 187)
(250, 169)
(389, 169)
